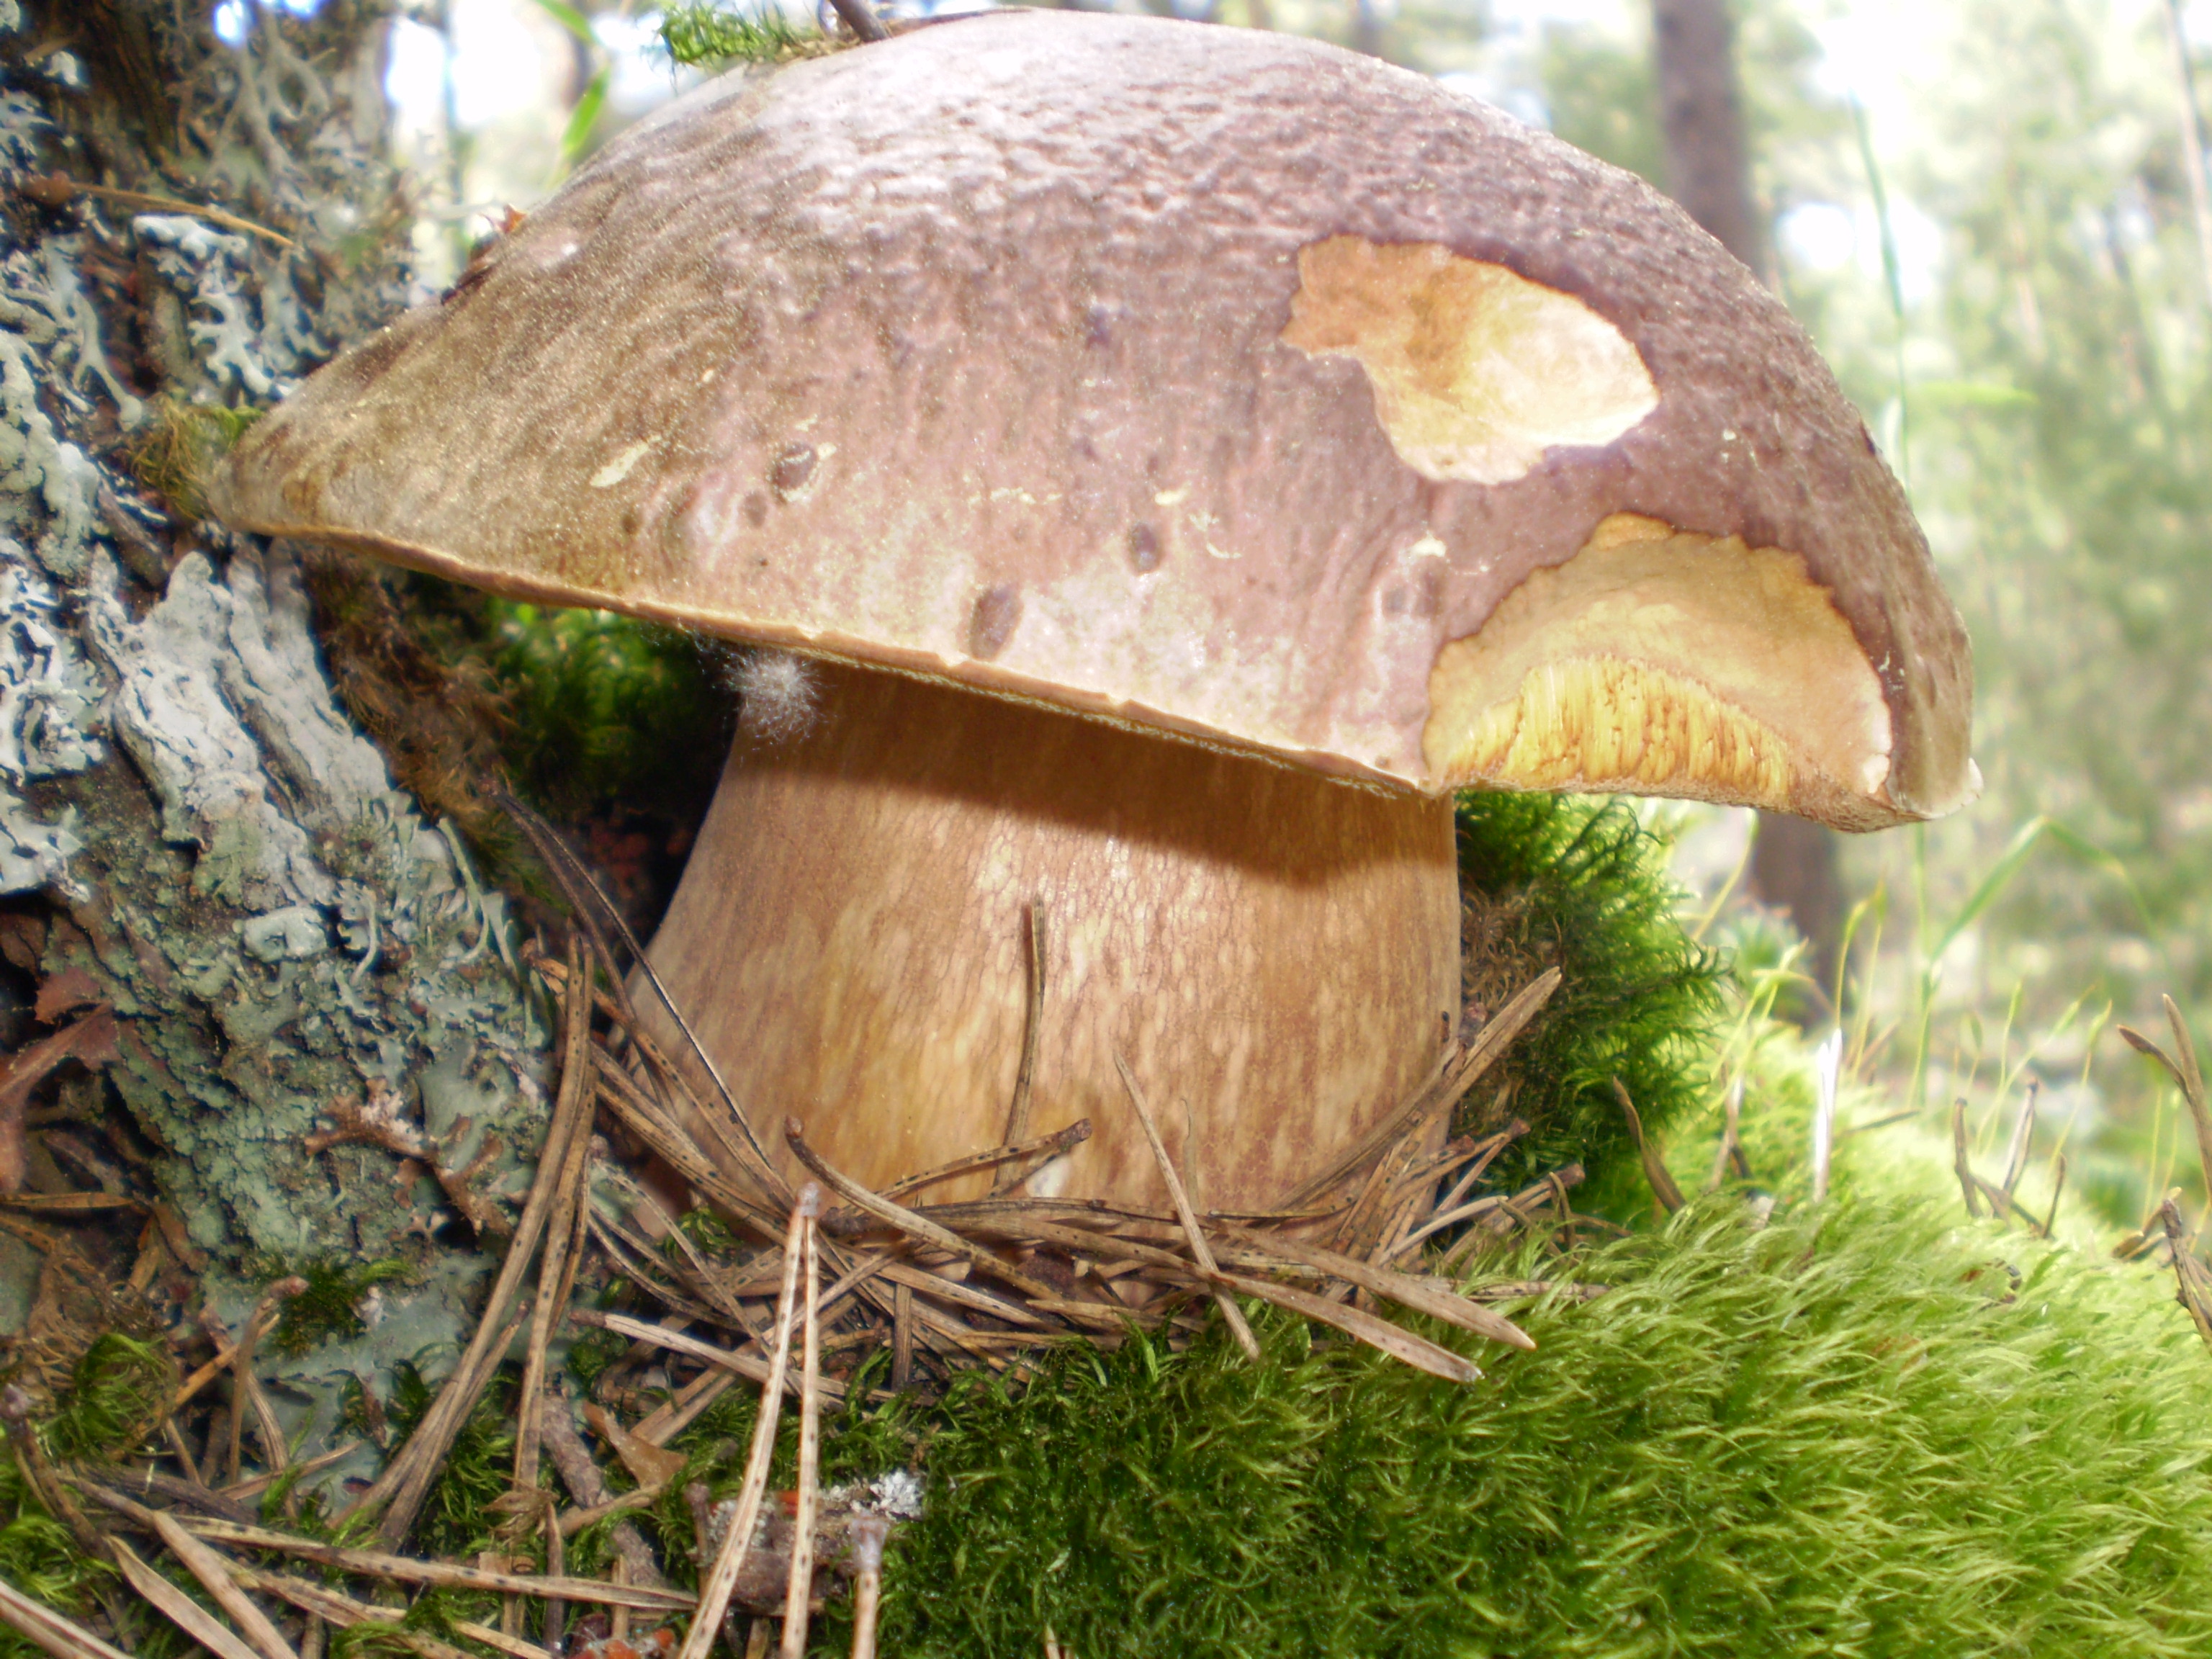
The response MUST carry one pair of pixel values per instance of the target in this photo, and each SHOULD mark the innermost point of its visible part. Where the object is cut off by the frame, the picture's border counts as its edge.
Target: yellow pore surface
(1664, 662)
(1476, 371)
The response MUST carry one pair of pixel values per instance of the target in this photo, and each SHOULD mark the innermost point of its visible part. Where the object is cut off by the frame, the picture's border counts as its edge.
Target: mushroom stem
(1278, 951)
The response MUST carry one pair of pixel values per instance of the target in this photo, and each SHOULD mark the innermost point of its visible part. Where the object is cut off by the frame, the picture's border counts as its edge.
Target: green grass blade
(569, 19)
(578, 132)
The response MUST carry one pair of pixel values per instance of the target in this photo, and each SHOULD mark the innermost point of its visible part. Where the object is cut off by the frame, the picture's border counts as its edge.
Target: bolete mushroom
(1187, 455)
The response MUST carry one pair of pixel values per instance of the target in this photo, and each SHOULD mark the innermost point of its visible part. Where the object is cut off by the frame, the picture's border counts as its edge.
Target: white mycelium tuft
(779, 695)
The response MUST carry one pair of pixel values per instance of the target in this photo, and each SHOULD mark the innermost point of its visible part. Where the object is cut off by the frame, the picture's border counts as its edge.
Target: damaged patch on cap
(1476, 370)
(1664, 662)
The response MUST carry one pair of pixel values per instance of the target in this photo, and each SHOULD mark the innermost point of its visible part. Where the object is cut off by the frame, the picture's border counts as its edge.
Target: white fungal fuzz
(779, 695)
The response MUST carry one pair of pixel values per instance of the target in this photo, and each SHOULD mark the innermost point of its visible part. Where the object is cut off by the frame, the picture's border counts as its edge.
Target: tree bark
(1794, 865)
(1701, 116)
(189, 825)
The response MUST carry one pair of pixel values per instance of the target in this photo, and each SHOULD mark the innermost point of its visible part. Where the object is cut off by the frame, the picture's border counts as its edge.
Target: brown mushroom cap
(1200, 379)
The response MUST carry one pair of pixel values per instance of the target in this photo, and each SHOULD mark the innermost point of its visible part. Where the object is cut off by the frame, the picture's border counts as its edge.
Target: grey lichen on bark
(280, 930)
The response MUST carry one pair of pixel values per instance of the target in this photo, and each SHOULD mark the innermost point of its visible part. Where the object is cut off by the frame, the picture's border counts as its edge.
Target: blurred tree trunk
(193, 834)
(1366, 28)
(1794, 863)
(1701, 117)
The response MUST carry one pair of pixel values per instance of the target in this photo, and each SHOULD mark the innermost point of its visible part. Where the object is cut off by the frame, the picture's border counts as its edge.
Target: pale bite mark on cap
(1657, 661)
(1653, 662)
(1477, 371)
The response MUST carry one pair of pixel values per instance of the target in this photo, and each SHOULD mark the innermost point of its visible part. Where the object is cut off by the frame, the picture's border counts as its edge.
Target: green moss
(1845, 1434)
(1867, 1429)
(38, 1557)
(592, 1351)
(1581, 884)
(179, 449)
(370, 1637)
(329, 1309)
(115, 1388)
(715, 37)
(118, 1387)
(708, 1232)
(603, 709)
(458, 1518)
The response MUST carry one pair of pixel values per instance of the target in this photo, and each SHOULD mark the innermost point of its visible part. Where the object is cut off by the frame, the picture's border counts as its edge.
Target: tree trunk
(1701, 116)
(1366, 28)
(1793, 862)
(192, 831)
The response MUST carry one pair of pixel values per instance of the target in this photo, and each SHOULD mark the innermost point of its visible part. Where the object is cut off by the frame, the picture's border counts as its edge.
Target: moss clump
(706, 1230)
(714, 37)
(592, 1352)
(603, 709)
(39, 1557)
(1844, 1434)
(458, 1518)
(119, 1387)
(403, 658)
(179, 447)
(329, 1309)
(601, 722)
(1581, 884)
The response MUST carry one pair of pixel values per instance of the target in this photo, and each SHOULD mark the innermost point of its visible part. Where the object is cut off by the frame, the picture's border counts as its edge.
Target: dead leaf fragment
(64, 993)
(89, 1041)
(648, 1464)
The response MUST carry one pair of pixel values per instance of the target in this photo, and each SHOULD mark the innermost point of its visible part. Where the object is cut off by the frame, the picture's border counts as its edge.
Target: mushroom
(1180, 458)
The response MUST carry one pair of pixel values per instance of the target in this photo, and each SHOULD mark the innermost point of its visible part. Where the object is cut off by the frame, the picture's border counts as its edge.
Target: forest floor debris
(938, 1290)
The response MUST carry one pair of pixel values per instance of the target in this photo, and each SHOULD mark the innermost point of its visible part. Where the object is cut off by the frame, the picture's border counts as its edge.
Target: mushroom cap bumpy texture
(1203, 379)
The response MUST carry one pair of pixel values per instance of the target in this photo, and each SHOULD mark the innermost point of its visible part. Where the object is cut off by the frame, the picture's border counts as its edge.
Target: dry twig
(591, 907)
(186, 1614)
(715, 1589)
(1731, 1146)
(246, 1390)
(406, 1570)
(58, 189)
(213, 1572)
(1192, 1236)
(1962, 1158)
(571, 1207)
(2186, 1075)
(1036, 1153)
(2193, 1280)
(742, 1364)
(1400, 1288)
(905, 1220)
(858, 18)
(2023, 1134)
(869, 1532)
(61, 1637)
(1017, 1113)
(399, 1490)
(799, 1586)
(1443, 1092)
